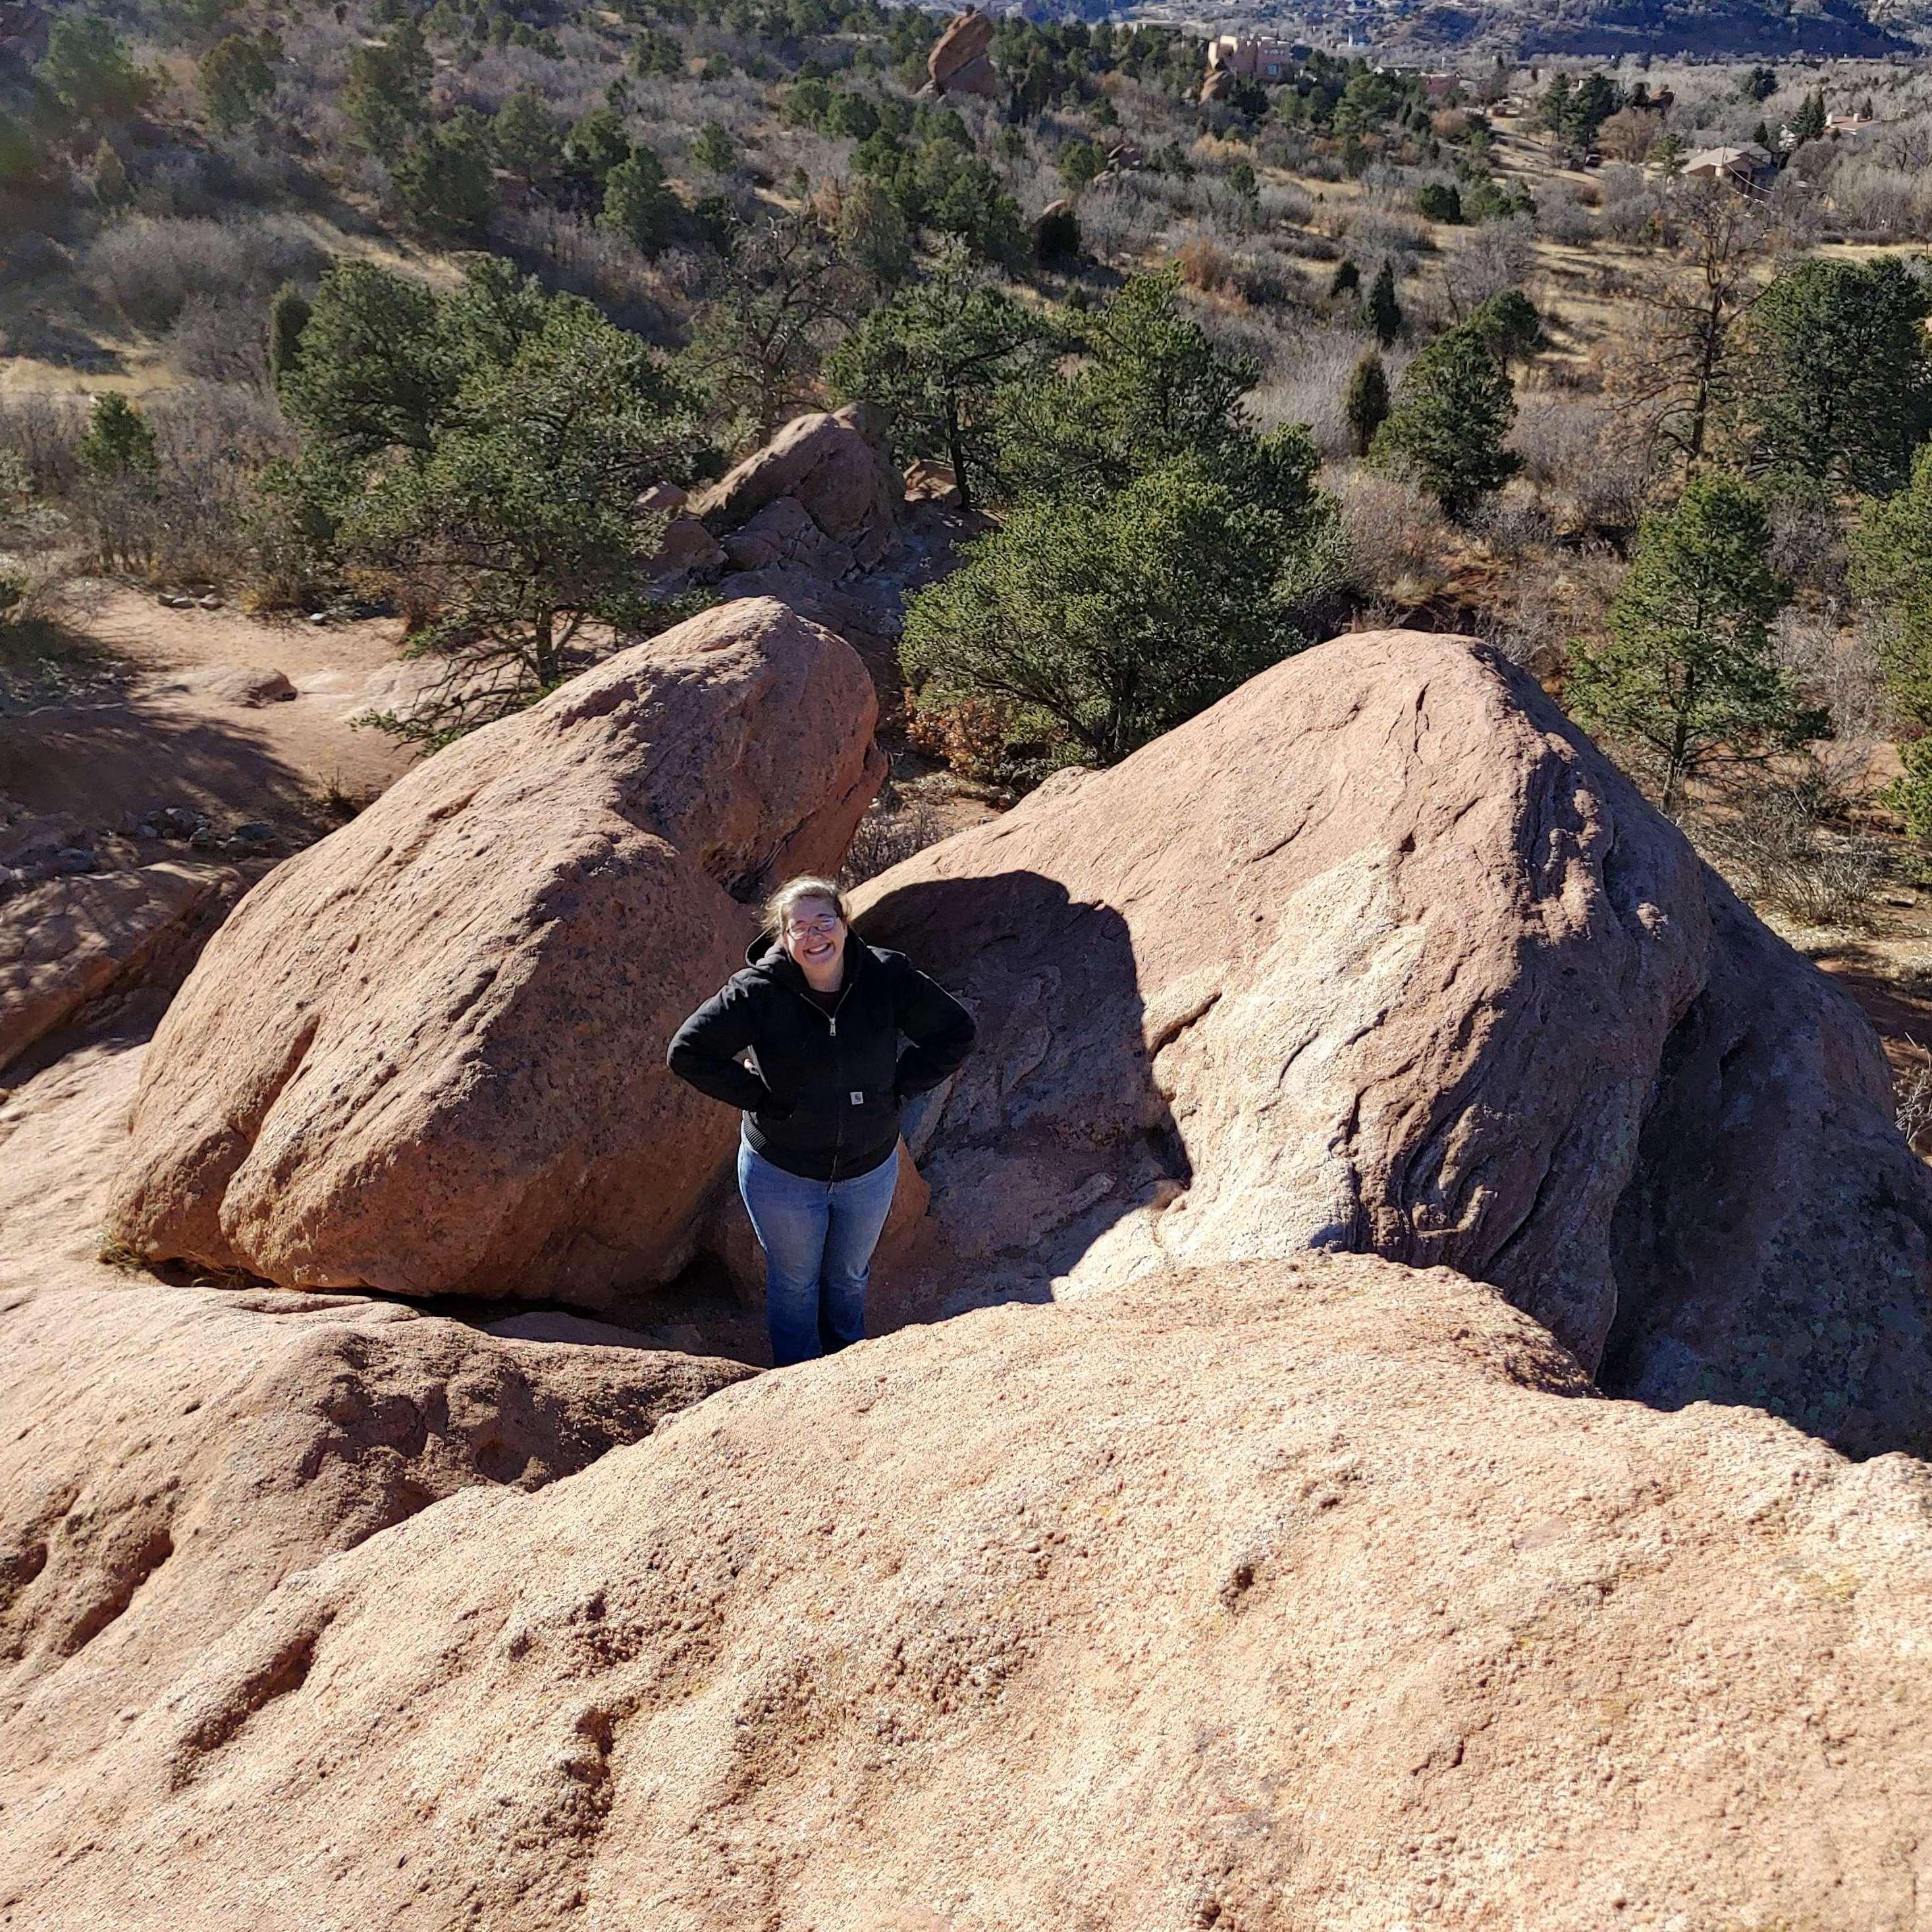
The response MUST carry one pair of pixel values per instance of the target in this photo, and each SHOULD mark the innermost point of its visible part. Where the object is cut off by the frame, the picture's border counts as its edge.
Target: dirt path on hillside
(175, 725)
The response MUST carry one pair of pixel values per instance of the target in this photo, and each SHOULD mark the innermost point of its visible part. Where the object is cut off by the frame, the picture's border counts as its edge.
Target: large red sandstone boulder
(1380, 953)
(172, 1455)
(835, 469)
(961, 60)
(1279, 1596)
(426, 1055)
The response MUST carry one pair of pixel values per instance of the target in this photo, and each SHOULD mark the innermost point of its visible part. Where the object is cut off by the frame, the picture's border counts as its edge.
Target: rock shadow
(1054, 1132)
(96, 762)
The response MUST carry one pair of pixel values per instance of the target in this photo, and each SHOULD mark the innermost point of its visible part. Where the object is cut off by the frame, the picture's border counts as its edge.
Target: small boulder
(782, 532)
(687, 547)
(929, 482)
(249, 688)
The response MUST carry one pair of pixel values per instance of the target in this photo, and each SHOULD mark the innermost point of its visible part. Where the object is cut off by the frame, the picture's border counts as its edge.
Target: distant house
(1250, 58)
(1848, 123)
(1750, 166)
(1438, 87)
(23, 32)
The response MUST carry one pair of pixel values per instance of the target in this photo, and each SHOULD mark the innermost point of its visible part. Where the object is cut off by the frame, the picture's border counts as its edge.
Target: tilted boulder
(1381, 953)
(960, 61)
(426, 1055)
(1275, 1596)
(838, 470)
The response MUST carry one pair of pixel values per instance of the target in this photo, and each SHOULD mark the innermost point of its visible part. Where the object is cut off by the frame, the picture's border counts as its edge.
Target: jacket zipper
(831, 1020)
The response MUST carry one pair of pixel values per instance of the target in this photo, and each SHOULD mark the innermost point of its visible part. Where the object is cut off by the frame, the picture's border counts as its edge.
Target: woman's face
(815, 936)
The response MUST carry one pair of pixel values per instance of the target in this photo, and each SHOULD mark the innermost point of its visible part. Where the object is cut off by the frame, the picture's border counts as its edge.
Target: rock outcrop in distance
(823, 496)
(426, 1055)
(1274, 1595)
(961, 61)
(1381, 953)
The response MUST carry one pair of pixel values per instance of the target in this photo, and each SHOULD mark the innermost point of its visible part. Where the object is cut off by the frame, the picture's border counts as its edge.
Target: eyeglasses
(819, 928)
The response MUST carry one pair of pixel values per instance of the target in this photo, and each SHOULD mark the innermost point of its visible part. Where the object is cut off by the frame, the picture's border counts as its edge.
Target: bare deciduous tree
(1670, 367)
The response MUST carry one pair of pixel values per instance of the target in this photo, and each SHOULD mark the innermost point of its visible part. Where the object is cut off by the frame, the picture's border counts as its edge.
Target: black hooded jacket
(822, 1096)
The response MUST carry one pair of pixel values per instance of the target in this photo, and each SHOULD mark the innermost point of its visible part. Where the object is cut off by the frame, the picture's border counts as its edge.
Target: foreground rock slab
(1380, 953)
(426, 1056)
(172, 1455)
(1281, 1596)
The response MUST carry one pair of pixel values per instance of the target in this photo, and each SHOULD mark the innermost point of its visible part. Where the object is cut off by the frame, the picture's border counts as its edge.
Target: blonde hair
(777, 907)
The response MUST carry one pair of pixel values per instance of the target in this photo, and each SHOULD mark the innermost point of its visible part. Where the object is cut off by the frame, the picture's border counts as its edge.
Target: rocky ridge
(1254, 1583)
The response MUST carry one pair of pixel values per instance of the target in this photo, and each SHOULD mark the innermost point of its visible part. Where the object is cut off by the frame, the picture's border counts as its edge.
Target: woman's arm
(704, 1052)
(939, 1026)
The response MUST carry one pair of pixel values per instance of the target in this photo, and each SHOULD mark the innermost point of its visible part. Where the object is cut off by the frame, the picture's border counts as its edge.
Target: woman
(820, 1013)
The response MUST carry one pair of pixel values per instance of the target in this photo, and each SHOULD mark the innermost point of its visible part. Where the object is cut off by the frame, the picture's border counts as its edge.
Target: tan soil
(165, 739)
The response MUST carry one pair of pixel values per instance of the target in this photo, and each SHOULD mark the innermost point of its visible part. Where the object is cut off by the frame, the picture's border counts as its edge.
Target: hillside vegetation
(368, 309)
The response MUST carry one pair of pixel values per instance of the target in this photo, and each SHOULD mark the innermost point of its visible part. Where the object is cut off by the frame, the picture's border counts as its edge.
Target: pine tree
(1688, 675)
(1453, 407)
(528, 139)
(1809, 124)
(118, 442)
(938, 358)
(288, 316)
(1365, 403)
(1834, 382)
(1345, 280)
(111, 188)
(1382, 311)
(445, 177)
(637, 202)
(714, 150)
(235, 79)
(1891, 568)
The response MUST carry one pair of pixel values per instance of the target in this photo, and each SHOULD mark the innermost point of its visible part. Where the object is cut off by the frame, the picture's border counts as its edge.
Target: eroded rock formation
(426, 1055)
(823, 495)
(961, 61)
(173, 1454)
(1380, 953)
(1273, 1595)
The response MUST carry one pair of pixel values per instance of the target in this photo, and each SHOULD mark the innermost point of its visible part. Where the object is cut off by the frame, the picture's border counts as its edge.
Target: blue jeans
(818, 1237)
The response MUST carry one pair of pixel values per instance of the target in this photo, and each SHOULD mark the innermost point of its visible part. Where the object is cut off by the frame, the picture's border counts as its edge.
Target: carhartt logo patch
(858, 1099)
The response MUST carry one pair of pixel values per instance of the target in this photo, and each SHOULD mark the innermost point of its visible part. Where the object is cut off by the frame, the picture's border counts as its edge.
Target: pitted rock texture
(426, 1055)
(172, 1455)
(1380, 953)
(823, 493)
(1283, 1596)
(961, 60)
